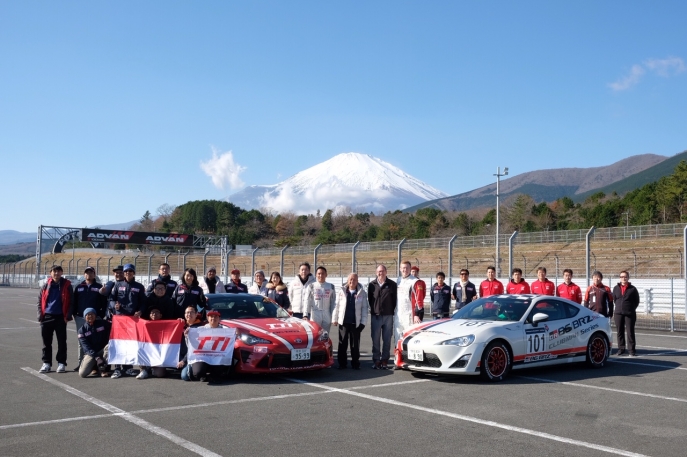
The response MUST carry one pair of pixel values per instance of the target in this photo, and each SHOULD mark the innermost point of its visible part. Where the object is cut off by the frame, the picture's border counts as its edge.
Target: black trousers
(54, 323)
(441, 315)
(625, 323)
(348, 333)
(420, 313)
(202, 369)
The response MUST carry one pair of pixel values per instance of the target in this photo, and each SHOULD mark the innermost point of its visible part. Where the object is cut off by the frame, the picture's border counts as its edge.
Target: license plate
(300, 354)
(416, 354)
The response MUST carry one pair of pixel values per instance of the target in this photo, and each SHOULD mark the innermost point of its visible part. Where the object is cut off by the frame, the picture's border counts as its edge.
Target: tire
(496, 362)
(597, 350)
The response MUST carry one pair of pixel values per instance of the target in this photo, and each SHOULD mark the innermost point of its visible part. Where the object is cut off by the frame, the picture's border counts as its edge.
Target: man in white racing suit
(407, 298)
(321, 300)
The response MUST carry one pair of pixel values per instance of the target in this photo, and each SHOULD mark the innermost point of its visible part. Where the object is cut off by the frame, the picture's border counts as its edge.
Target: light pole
(498, 182)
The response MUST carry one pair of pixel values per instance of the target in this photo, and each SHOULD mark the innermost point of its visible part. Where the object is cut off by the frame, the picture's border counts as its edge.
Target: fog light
(461, 362)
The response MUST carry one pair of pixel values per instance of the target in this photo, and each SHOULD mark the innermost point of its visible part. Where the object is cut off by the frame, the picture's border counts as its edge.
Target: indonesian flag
(135, 341)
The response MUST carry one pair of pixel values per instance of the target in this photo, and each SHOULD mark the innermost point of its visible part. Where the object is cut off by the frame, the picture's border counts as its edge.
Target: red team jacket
(518, 288)
(488, 288)
(571, 292)
(545, 287)
(418, 295)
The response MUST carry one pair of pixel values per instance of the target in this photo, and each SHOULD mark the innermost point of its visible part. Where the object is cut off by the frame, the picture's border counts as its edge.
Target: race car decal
(572, 352)
(264, 332)
(535, 340)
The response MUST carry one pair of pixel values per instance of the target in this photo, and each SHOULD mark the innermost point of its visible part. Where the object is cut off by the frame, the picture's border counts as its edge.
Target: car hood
(293, 332)
(451, 328)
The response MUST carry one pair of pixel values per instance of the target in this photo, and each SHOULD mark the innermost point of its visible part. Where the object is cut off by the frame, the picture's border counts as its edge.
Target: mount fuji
(358, 181)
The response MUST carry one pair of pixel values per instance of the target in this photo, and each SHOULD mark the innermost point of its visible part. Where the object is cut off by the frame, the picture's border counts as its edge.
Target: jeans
(382, 327)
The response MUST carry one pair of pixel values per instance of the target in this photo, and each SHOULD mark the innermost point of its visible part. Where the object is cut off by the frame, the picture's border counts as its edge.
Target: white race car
(493, 335)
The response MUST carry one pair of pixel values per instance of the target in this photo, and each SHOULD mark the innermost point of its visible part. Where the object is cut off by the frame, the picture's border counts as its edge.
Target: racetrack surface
(630, 407)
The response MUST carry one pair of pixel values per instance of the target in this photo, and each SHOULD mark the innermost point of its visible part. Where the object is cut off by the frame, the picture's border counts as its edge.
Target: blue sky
(107, 109)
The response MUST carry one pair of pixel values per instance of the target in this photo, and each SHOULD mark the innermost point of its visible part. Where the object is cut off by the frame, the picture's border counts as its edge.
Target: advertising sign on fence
(131, 237)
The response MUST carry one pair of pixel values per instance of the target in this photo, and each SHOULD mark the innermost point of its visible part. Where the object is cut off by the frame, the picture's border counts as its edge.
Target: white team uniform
(321, 301)
(403, 317)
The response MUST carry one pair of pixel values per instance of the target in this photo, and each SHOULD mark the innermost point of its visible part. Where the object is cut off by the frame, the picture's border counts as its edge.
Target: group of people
(393, 307)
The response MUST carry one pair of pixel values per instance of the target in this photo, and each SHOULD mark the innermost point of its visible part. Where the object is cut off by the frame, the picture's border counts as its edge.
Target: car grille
(284, 360)
(431, 360)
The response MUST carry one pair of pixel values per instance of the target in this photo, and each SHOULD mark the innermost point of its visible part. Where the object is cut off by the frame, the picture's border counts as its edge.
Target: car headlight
(460, 341)
(323, 335)
(251, 340)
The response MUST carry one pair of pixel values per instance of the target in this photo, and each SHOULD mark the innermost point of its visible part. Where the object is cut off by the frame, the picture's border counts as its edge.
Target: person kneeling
(94, 337)
(202, 371)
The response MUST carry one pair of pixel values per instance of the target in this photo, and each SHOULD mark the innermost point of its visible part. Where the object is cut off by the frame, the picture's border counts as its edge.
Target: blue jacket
(131, 297)
(464, 297)
(93, 338)
(441, 298)
(86, 296)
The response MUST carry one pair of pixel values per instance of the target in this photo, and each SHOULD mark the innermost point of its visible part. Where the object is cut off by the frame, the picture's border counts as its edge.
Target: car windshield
(245, 306)
(494, 308)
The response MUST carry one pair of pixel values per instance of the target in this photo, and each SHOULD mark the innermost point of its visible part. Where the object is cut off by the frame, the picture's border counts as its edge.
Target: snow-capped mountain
(359, 181)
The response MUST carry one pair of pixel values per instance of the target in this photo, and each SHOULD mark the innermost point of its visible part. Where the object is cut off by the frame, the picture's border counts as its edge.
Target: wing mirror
(539, 317)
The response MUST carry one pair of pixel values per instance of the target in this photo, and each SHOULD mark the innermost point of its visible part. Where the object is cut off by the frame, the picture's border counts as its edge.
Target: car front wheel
(496, 362)
(597, 350)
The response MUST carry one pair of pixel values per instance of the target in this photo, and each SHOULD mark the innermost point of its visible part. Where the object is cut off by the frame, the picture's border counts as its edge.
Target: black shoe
(77, 367)
(357, 367)
(633, 354)
(620, 352)
(376, 366)
(342, 367)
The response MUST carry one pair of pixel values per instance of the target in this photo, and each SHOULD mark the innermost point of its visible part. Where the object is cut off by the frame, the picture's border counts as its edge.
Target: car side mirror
(539, 317)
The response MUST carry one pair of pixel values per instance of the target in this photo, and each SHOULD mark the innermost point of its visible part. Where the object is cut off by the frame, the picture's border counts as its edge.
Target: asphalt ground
(630, 407)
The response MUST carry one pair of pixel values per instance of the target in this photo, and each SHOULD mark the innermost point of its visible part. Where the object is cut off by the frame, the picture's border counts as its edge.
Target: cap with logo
(213, 312)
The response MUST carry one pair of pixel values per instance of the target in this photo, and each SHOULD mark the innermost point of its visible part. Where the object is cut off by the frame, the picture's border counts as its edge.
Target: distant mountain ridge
(358, 181)
(549, 185)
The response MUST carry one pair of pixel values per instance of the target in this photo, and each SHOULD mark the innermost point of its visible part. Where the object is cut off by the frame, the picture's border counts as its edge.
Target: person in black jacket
(277, 291)
(94, 338)
(626, 301)
(128, 295)
(106, 291)
(87, 295)
(440, 296)
(188, 293)
(464, 291)
(159, 300)
(382, 296)
(163, 276)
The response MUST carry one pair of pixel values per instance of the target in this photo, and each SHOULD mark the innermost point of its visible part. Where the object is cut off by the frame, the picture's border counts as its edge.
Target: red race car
(268, 339)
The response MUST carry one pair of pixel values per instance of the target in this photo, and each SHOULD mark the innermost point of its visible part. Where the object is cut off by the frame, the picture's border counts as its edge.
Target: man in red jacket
(517, 285)
(54, 311)
(491, 285)
(420, 293)
(542, 286)
(569, 289)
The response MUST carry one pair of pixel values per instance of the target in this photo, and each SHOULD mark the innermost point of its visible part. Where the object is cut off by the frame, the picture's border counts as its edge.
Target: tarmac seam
(126, 416)
(608, 389)
(549, 436)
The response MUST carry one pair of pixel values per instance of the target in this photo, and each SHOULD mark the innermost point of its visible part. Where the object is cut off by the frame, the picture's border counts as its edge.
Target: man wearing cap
(421, 292)
(54, 311)
(163, 276)
(106, 290)
(235, 286)
(129, 298)
(202, 371)
(87, 296)
(94, 338)
(211, 284)
(259, 286)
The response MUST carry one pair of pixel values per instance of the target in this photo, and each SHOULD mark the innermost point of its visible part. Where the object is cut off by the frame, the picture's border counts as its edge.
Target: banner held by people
(214, 346)
(135, 341)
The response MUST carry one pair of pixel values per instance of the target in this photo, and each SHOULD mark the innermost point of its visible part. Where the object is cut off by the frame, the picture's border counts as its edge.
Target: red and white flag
(135, 341)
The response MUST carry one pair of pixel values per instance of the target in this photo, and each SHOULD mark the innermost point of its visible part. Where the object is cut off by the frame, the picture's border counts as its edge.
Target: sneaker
(376, 366)
(633, 354)
(61, 368)
(384, 366)
(45, 368)
(620, 352)
(142, 375)
(130, 372)
(116, 374)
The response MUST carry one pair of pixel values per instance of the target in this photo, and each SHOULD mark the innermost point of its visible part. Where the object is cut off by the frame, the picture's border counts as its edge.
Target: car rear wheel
(597, 350)
(496, 362)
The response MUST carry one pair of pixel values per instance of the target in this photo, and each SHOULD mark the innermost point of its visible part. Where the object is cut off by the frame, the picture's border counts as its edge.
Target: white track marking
(661, 336)
(15, 328)
(632, 362)
(475, 420)
(56, 421)
(38, 323)
(127, 416)
(387, 384)
(608, 389)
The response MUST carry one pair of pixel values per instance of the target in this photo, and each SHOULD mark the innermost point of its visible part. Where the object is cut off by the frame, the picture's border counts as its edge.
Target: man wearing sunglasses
(464, 291)
(626, 301)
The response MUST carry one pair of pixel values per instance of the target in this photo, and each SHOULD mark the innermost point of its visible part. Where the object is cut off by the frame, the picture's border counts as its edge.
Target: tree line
(663, 201)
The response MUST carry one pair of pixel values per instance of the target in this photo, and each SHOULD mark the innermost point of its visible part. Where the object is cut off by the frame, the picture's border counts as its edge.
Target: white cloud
(223, 170)
(666, 67)
(322, 198)
(670, 66)
(630, 80)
